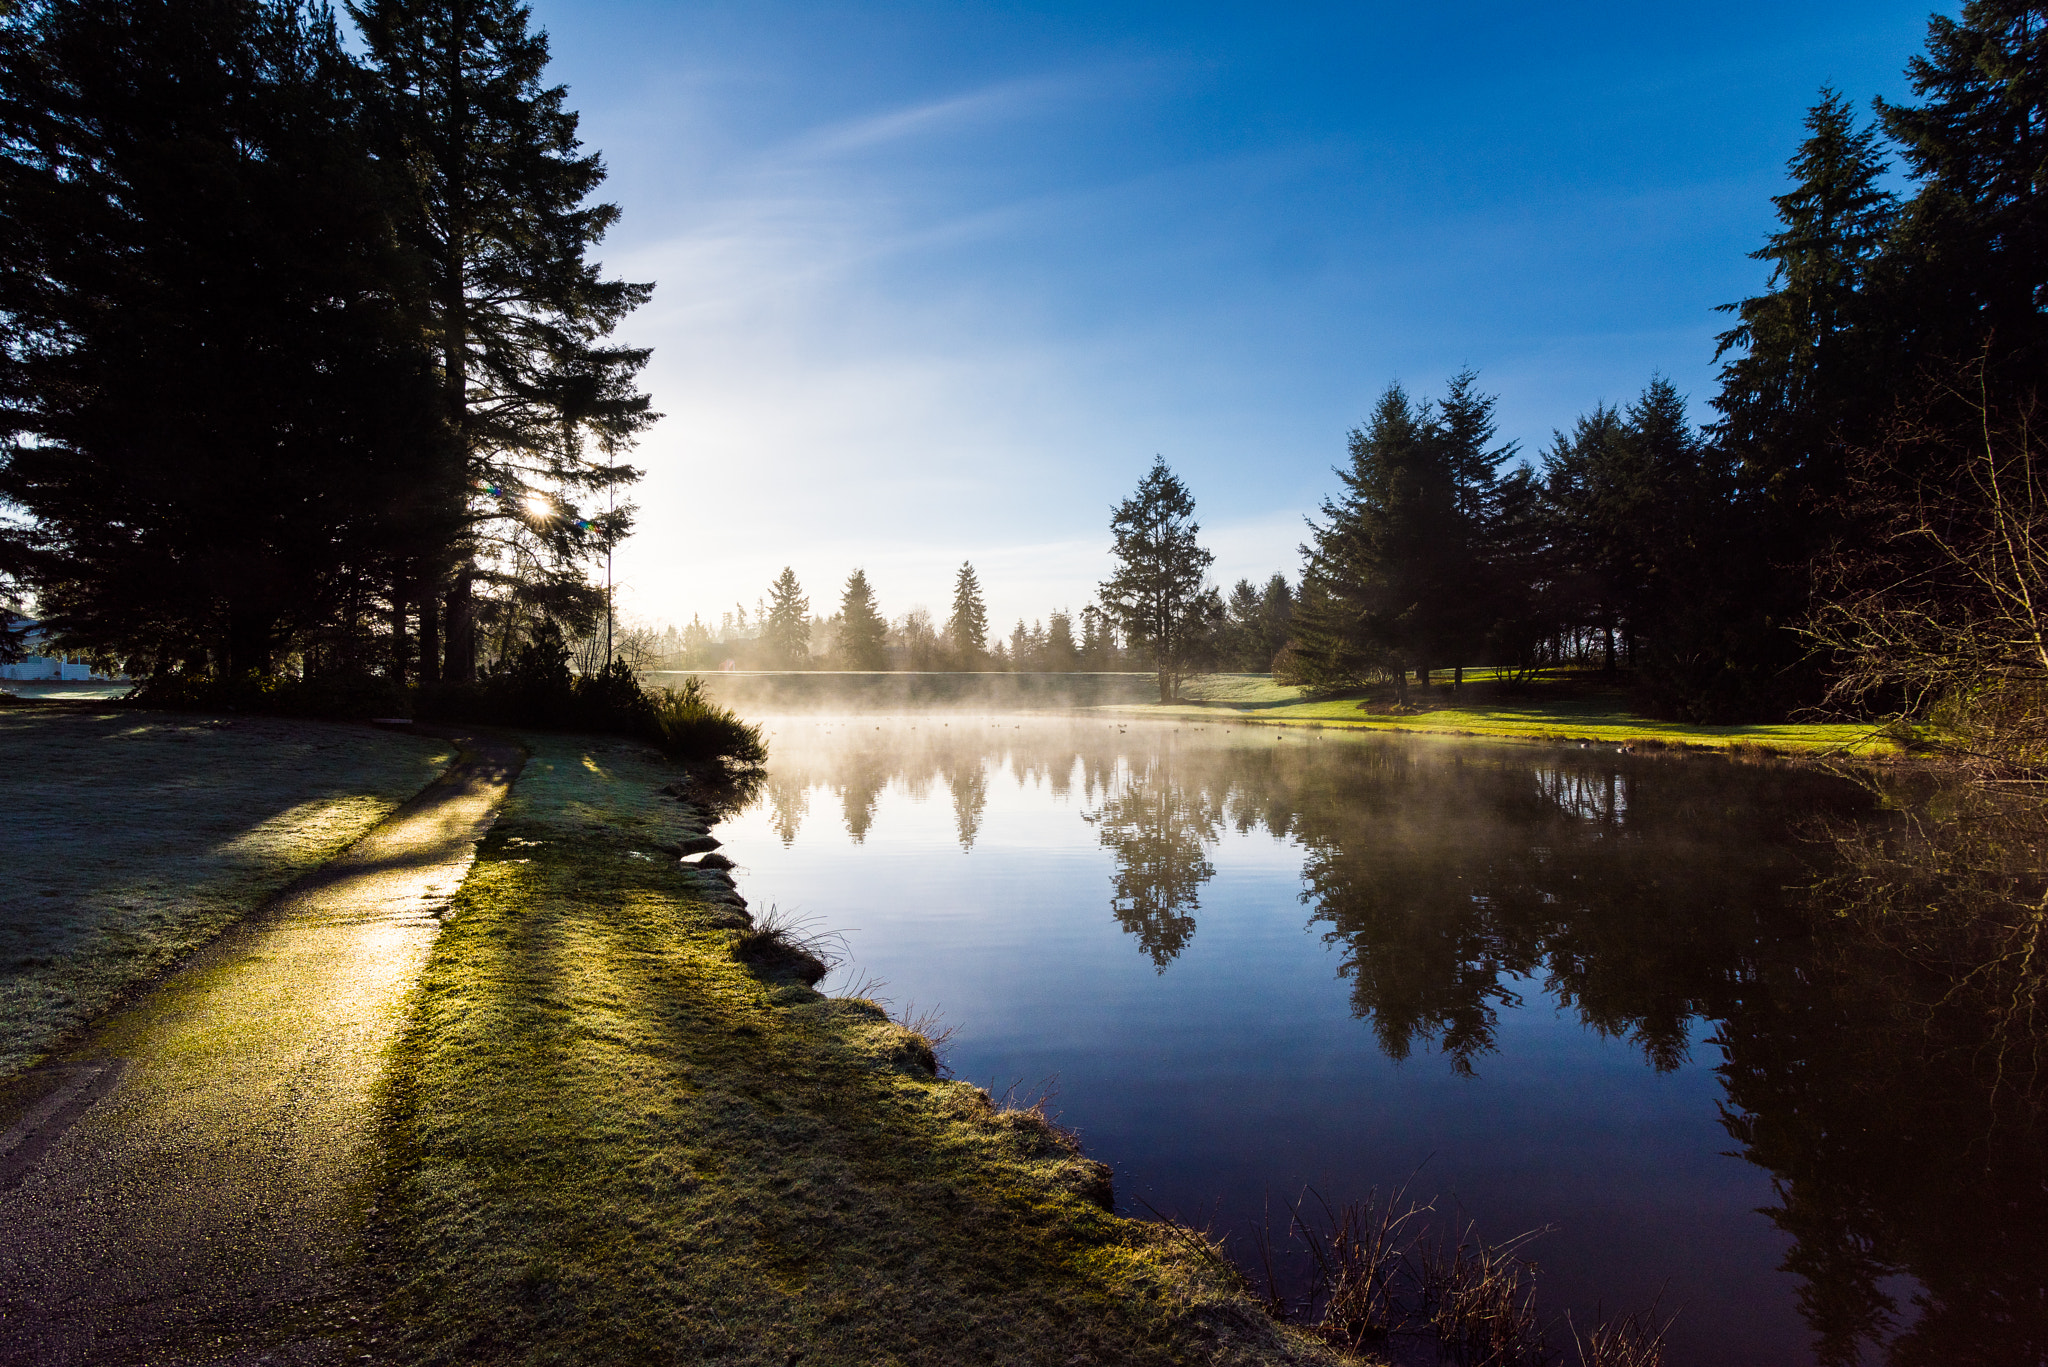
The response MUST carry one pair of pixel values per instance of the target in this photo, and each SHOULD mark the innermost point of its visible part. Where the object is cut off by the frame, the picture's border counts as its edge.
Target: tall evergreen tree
(1239, 638)
(1400, 562)
(203, 330)
(1975, 240)
(1158, 595)
(1804, 362)
(786, 628)
(499, 211)
(967, 628)
(862, 630)
(1098, 639)
(1276, 621)
(1062, 655)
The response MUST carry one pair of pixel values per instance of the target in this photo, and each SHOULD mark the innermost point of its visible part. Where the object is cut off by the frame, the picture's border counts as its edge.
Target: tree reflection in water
(1871, 984)
(1895, 1091)
(1157, 830)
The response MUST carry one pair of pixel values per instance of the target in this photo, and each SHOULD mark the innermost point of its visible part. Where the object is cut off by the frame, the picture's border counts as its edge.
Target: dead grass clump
(1480, 1299)
(1633, 1341)
(786, 947)
(1362, 1254)
(1383, 1270)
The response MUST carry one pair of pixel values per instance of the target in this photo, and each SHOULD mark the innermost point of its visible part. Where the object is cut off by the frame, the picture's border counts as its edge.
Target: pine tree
(1242, 635)
(1400, 562)
(203, 326)
(1098, 639)
(862, 630)
(967, 628)
(1975, 239)
(1804, 360)
(1276, 621)
(498, 212)
(1158, 596)
(786, 626)
(1062, 655)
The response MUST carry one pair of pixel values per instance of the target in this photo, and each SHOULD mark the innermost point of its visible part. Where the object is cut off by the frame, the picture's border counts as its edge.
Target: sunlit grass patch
(131, 838)
(615, 1140)
(1488, 710)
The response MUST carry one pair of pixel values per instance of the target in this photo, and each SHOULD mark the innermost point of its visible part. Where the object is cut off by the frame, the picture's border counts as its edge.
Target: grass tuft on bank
(1556, 712)
(617, 1134)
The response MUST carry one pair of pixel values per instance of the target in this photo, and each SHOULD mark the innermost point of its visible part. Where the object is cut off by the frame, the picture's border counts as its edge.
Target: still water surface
(1522, 980)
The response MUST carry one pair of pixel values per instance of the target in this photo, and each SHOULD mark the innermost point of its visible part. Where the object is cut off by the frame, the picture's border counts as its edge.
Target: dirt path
(189, 1184)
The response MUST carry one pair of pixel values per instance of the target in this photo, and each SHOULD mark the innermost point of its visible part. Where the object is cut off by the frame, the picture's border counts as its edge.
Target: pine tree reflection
(1157, 828)
(789, 799)
(967, 778)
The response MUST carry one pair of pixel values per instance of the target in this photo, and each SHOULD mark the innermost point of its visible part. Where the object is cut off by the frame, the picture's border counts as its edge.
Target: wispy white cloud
(955, 113)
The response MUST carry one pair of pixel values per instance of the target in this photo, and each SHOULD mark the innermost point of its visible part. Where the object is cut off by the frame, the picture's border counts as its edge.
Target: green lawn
(613, 1142)
(1486, 707)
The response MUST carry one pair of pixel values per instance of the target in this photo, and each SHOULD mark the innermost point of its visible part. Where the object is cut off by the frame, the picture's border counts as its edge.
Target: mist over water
(1249, 960)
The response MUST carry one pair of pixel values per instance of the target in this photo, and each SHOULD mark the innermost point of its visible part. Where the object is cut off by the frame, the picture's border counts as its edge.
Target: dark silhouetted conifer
(498, 208)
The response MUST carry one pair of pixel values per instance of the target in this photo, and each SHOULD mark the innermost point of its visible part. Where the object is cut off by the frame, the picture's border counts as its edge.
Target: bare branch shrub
(1941, 626)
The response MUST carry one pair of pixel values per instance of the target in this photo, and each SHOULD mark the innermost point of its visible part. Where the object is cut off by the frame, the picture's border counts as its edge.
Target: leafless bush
(937, 1033)
(1940, 627)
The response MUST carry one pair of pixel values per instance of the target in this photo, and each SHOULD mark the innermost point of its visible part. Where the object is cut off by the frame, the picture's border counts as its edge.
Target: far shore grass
(612, 1141)
(1554, 711)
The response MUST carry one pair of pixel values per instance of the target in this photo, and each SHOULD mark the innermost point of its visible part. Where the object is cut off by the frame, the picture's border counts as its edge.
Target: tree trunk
(1610, 649)
(1458, 677)
(248, 645)
(1167, 686)
(1401, 686)
(430, 637)
(398, 651)
(461, 647)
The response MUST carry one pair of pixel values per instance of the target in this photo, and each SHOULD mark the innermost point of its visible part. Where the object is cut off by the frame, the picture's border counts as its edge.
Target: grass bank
(131, 838)
(1553, 711)
(613, 1141)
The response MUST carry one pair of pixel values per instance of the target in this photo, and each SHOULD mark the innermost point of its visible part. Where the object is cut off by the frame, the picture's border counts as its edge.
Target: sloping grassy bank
(1553, 712)
(612, 1141)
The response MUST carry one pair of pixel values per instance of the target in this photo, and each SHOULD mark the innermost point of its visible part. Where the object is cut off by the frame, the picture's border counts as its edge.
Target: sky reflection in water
(1257, 960)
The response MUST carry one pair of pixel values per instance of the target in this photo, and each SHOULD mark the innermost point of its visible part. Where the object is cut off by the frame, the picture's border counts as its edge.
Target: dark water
(1548, 987)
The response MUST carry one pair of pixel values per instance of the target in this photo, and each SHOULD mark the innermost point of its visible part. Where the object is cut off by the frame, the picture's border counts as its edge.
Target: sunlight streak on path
(208, 1205)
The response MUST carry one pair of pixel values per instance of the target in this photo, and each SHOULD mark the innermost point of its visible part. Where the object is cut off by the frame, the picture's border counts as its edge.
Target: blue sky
(935, 281)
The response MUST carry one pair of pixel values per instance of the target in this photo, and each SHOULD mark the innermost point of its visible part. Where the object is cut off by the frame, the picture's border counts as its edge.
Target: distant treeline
(783, 633)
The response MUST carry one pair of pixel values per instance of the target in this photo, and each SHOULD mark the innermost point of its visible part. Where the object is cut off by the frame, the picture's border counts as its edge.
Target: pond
(1549, 988)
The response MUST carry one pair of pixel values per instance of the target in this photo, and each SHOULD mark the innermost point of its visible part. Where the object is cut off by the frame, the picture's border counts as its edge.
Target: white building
(45, 668)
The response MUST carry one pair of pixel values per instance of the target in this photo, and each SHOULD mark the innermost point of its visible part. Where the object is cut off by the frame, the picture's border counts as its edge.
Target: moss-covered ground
(130, 838)
(1553, 711)
(613, 1142)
